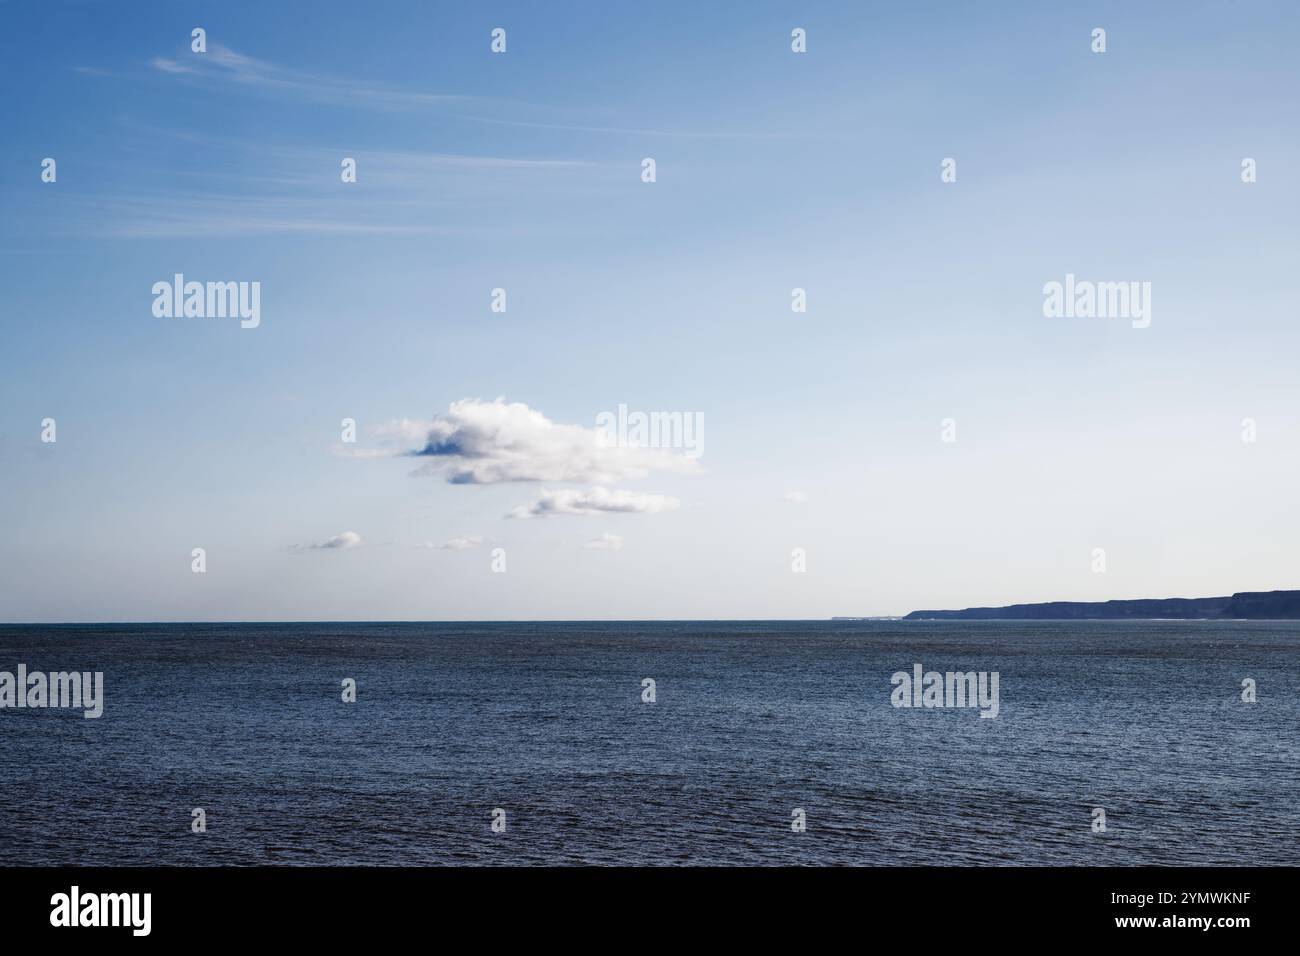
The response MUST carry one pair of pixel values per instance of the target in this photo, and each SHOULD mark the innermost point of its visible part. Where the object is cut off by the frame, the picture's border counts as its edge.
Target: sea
(656, 743)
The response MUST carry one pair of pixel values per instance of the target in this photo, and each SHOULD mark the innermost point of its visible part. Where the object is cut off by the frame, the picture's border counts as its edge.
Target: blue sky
(522, 170)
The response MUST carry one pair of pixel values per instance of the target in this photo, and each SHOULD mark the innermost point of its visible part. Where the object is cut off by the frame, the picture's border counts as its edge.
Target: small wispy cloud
(221, 64)
(573, 501)
(798, 497)
(606, 542)
(344, 541)
(166, 65)
(455, 544)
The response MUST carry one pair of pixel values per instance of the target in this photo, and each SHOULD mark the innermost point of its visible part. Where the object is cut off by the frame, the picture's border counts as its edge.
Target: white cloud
(456, 544)
(572, 501)
(798, 497)
(340, 542)
(483, 443)
(606, 542)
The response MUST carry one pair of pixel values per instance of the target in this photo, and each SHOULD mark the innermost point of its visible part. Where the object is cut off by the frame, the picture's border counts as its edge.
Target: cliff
(1265, 605)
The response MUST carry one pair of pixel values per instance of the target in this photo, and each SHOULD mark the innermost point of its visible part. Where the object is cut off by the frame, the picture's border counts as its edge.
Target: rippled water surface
(752, 720)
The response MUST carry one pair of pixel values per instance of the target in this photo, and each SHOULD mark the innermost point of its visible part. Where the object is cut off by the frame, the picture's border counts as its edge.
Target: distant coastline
(1244, 605)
